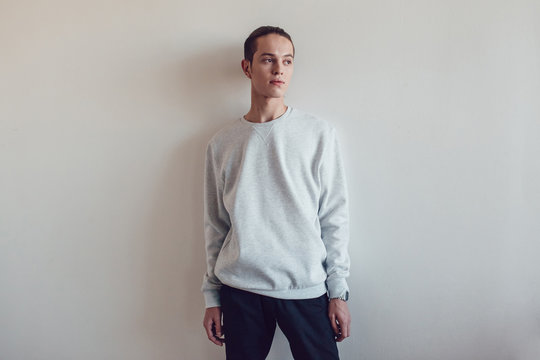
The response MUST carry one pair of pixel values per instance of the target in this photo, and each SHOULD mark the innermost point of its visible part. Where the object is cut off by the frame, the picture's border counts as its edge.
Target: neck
(265, 109)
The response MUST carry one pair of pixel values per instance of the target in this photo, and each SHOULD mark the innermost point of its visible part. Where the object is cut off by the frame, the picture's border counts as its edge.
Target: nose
(278, 68)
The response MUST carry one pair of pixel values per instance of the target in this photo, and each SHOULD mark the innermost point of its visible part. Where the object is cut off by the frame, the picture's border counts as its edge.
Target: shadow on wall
(207, 88)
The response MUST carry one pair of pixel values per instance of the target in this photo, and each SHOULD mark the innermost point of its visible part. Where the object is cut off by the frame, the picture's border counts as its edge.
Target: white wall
(105, 110)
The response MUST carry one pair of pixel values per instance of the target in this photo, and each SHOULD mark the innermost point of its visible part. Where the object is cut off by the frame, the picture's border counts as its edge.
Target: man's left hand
(338, 312)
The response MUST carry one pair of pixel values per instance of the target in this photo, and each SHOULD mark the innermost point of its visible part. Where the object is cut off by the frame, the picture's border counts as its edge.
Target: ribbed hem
(212, 298)
(337, 287)
(290, 294)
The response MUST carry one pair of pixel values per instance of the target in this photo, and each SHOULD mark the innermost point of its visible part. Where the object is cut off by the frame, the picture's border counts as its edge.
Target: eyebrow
(286, 55)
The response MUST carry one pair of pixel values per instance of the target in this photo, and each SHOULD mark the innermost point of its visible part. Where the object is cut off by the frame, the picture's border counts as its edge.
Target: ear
(246, 68)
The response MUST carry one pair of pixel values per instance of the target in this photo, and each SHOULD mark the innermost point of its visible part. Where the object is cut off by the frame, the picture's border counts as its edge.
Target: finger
(339, 334)
(216, 341)
(217, 323)
(348, 328)
(344, 327)
(334, 325)
(344, 331)
(208, 328)
(210, 334)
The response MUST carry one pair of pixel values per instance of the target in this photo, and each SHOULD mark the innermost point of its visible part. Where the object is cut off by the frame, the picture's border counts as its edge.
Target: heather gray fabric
(276, 219)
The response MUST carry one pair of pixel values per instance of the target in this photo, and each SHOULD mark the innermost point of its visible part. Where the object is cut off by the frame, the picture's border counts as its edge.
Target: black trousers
(249, 323)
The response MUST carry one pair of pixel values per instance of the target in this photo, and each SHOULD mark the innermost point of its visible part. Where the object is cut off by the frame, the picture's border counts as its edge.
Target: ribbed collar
(281, 118)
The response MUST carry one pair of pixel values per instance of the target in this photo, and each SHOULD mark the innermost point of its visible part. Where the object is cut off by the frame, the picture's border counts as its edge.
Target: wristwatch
(344, 296)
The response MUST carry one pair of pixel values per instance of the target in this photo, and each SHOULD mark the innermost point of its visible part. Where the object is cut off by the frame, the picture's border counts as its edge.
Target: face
(272, 66)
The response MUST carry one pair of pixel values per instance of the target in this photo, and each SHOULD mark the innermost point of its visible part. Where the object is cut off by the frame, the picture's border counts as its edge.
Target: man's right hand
(212, 325)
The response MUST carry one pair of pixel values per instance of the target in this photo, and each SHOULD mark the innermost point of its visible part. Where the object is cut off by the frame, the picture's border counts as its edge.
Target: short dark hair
(250, 45)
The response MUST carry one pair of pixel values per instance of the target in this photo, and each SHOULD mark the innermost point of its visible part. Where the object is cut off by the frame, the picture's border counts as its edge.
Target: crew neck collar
(268, 123)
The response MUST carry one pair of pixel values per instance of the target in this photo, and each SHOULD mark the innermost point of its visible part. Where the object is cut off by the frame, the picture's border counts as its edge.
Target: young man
(276, 219)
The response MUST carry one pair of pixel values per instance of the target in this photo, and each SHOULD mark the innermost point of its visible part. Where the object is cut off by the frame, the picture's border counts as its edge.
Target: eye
(267, 60)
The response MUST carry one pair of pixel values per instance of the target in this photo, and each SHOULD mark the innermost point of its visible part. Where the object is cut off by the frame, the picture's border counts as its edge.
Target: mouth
(277, 82)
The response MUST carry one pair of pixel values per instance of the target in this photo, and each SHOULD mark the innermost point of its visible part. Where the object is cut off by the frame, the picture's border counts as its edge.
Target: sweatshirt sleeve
(216, 226)
(334, 217)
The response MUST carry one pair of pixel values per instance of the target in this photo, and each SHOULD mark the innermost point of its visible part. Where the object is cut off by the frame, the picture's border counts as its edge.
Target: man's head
(250, 45)
(268, 61)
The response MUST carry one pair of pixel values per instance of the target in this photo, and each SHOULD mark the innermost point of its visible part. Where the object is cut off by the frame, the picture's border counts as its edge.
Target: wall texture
(105, 111)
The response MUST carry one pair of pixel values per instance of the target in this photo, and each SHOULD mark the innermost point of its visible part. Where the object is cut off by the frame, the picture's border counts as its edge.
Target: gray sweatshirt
(276, 218)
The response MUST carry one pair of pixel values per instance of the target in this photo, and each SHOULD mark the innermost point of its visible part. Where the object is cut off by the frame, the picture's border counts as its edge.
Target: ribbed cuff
(212, 298)
(337, 287)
